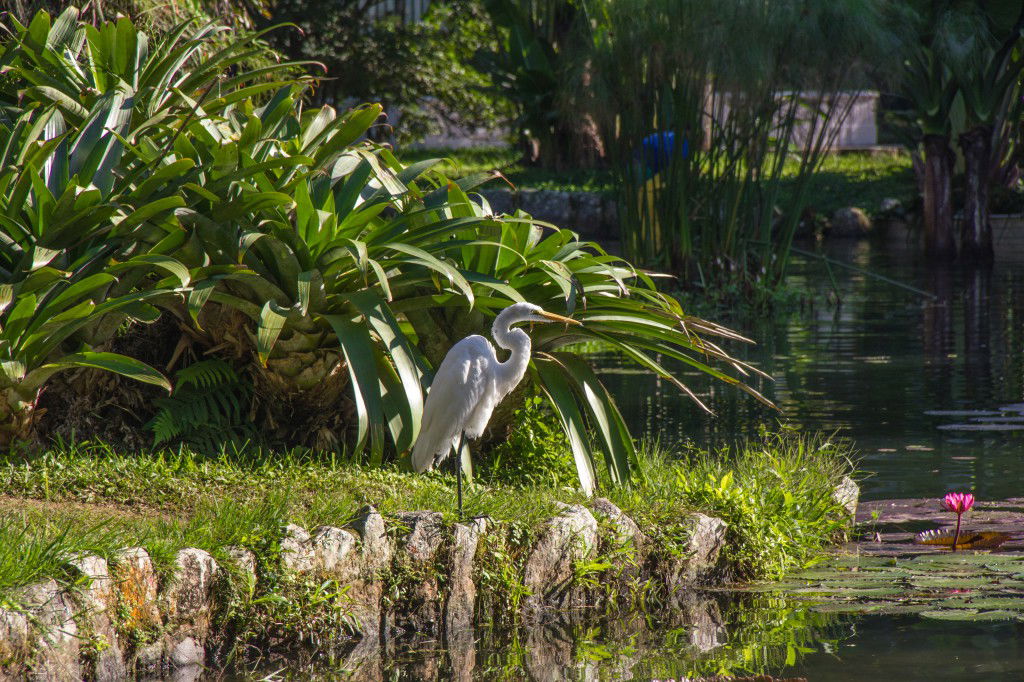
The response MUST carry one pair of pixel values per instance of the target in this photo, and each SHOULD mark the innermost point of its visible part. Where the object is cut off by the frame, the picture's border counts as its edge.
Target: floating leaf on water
(981, 427)
(852, 607)
(844, 576)
(902, 608)
(968, 539)
(864, 561)
(950, 561)
(997, 603)
(970, 615)
(951, 614)
(824, 575)
(838, 592)
(856, 584)
(955, 583)
(1004, 561)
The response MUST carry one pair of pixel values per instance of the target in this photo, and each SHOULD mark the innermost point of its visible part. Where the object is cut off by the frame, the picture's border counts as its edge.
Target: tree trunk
(571, 145)
(976, 231)
(302, 395)
(938, 200)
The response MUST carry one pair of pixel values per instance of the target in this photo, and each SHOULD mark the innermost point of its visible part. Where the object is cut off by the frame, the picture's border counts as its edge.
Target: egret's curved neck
(510, 372)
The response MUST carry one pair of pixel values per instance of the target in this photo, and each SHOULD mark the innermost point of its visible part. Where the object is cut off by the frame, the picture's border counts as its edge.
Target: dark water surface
(872, 369)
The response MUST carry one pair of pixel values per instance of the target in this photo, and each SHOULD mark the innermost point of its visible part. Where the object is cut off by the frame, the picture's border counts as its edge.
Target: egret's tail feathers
(422, 457)
(428, 452)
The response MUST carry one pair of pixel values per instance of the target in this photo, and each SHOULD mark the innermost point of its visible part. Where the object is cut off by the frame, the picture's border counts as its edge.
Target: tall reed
(747, 88)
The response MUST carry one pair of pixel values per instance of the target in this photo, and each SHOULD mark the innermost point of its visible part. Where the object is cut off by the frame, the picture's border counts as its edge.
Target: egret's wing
(459, 385)
(477, 420)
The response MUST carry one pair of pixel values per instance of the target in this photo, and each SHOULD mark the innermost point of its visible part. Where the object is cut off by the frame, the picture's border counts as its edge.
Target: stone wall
(591, 214)
(116, 619)
(86, 629)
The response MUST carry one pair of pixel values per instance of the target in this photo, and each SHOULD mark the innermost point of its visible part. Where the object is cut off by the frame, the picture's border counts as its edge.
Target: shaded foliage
(418, 68)
(208, 409)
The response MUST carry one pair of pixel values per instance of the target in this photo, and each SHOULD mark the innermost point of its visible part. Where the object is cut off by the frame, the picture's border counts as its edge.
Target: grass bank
(774, 492)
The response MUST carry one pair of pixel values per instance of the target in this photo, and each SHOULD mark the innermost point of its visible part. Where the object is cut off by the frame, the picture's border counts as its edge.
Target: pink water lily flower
(958, 503)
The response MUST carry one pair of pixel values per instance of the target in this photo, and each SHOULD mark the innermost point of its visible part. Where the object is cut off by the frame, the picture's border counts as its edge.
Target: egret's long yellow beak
(558, 318)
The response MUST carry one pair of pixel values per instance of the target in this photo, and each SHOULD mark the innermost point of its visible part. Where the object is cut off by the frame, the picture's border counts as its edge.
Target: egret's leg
(458, 470)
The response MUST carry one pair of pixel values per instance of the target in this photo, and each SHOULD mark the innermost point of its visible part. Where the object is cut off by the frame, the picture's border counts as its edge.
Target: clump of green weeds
(536, 451)
(498, 570)
(775, 492)
(297, 610)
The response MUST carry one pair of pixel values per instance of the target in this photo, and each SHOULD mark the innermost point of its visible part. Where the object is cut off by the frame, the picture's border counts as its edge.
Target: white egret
(470, 383)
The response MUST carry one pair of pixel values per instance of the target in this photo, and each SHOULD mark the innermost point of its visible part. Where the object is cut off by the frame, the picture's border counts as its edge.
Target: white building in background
(858, 129)
(409, 10)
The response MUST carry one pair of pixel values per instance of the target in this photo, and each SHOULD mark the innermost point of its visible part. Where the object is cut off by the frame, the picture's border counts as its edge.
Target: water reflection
(752, 635)
(870, 369)
(701, 635)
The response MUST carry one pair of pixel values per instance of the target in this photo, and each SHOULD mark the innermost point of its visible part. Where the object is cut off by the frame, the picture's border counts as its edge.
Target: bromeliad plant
(191, 72)
(59, 238)
(85, 223)
(85, 230)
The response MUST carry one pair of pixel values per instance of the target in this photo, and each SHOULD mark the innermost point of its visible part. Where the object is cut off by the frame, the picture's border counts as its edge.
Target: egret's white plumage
(471, 381)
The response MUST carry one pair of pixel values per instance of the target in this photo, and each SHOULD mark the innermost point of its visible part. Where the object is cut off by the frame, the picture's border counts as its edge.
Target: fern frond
(206, 374)
(207, 409)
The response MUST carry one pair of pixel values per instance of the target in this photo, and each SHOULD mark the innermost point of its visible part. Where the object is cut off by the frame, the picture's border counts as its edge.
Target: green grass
(860, 179)
(853, 179)
(775, 493)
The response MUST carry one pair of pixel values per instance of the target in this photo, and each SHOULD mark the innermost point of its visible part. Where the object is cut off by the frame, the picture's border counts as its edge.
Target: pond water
(770, 638)
(916, 382)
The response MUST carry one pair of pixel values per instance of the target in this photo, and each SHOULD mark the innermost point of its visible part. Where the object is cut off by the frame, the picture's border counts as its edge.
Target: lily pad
(969, 584)
(997, 603)
(848, 593)
(967, 539)
(957, 583)
(852, 607)
(981, 427)
(970, 615)
(863, 561)
(972, 561)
